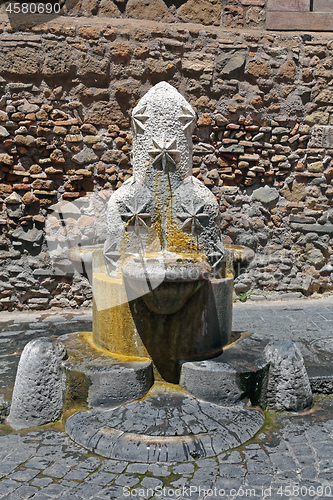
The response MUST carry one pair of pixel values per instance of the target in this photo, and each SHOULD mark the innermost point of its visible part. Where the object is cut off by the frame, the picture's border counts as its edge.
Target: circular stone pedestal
(166, 426)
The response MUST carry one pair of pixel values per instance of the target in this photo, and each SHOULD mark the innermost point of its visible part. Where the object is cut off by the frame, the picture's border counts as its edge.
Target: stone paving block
(24, 475)
(55, 490)
(86, 491)
(40, 482)
(78, 475)
(101, 478)
(115, 466)
(8, 486)
(26, 491)
(89, 463)
(56, 470)
(137, 468)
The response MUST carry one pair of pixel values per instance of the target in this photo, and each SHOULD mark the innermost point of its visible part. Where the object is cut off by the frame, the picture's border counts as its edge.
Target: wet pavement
(291, 457)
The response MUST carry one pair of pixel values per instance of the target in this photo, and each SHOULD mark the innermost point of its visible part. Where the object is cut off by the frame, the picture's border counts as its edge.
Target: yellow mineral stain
(162, 387)
(236, 337)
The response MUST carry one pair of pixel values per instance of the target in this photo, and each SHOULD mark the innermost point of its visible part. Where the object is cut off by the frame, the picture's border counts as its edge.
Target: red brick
(76, 194)
(21, 187)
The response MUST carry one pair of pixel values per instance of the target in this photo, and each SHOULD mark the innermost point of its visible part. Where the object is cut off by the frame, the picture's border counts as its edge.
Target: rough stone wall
(264, 105)
(244, 13)
(228, 13)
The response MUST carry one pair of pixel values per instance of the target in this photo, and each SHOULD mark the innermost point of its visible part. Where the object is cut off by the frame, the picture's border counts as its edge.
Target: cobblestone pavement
(292, 457)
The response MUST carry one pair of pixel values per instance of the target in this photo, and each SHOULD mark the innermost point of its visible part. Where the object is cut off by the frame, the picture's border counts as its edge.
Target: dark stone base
(96, 379)
(238, 374)
(166, 426)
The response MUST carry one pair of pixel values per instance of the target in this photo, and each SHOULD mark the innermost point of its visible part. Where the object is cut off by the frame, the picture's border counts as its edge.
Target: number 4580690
(33, 8)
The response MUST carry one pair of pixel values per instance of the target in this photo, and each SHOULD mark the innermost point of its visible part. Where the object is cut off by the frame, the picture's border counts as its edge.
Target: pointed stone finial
(162, 124)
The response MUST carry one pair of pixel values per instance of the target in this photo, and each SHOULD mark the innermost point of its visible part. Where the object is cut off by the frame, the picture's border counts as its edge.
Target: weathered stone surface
(3, 116)
(193, 430)
(287, 71)
(6, 159)
(325, 97)
(114, 156)
(318, 117)
(105, 382)
(25, 140)
(83, 8)
(3, 132)
(312, 21)
(90, 65)
(29, 199)
(321, 137)
(255, 16)
(58, 59)
(19, 60)
(315, 258)
(38, 395)
(201, 11)
(314, 228)
(28, 107)
(148, 9)
(294, 192)
(316, 167)
(103, 113)
(87, 155)
(288, 5)
(259, 69)
(108, 8)
(160, 68)
(32, 235)
(231, 63)
(57, 156)
(228, 379)
(288, 383)
(121, 51)
(137, 60)
(233, 16)
(265, 195)
(14, 199)
(192, 63)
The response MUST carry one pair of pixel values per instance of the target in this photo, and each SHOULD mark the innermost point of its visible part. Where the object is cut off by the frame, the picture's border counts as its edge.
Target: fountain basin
(242, 257)
(171, 279)
(197, 331)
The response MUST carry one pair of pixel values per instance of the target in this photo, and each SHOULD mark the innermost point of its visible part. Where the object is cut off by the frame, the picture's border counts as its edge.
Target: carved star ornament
(138, 120)
(216, 257)
(187, 118)
(163, 155)
(135, 214)
(111, 254)
(193, 218)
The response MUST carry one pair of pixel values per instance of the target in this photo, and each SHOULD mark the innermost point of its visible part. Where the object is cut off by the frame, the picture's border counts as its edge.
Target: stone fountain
(152, 383)
(164, 250)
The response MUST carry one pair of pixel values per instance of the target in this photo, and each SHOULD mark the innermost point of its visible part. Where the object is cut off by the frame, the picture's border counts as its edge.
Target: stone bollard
(288, 382)
(40, 384)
